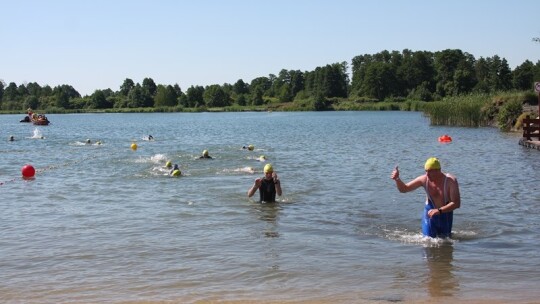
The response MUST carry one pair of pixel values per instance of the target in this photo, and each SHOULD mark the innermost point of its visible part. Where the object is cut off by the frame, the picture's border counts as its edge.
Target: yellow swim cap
(176, 173)
(432, 163)
(168, 164)
(268, 168)
(251, 147)
(205, 153)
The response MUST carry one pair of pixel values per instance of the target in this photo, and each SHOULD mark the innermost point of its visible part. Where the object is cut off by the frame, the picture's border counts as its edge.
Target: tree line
(395, 76)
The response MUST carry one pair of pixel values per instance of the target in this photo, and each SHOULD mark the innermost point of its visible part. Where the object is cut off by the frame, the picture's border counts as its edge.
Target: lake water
(104, 223)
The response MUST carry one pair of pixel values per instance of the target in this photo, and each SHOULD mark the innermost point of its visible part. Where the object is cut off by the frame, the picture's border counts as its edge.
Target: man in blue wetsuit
(268, 186)
(442, 197)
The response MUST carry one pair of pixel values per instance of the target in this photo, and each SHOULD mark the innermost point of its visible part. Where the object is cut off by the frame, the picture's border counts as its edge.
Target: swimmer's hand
(395, 174)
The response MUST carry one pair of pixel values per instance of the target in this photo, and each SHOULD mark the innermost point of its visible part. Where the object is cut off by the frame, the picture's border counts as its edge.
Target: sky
(96, 45)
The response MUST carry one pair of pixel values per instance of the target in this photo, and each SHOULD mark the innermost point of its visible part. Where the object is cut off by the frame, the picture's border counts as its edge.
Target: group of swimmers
(442, 190)
(175, 170)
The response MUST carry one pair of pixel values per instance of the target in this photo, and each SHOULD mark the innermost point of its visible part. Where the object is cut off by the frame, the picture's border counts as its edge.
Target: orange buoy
(445, 138)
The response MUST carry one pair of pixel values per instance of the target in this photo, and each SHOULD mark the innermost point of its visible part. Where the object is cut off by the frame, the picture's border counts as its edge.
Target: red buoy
(28, 171)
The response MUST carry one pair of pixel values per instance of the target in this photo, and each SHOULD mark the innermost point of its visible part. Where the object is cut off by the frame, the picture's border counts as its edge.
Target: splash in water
(37, 134)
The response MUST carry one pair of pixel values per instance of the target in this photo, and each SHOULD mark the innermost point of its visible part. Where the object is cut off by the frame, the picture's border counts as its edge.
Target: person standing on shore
(442, 197)
(268, 186)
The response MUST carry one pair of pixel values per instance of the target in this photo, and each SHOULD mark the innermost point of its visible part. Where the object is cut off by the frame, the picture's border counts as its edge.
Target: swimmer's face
(431, 173)
(268, 175)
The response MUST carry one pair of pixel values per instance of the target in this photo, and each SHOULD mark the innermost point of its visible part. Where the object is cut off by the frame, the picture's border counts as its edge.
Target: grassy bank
(476, 110)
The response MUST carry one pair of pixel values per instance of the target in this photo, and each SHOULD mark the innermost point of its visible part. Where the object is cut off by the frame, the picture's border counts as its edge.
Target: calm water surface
(103, 223)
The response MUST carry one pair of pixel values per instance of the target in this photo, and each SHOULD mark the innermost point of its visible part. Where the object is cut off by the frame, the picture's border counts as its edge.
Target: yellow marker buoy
(133, 146)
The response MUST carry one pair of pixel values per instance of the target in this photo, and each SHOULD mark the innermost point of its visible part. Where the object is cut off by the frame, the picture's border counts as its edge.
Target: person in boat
(268, 186)
(442, 197)
(205, 154)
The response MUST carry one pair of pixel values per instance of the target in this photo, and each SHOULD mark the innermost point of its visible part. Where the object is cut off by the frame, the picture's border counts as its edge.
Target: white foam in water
(37, 134)
(249, 170)
(416, 238)
(158, 158)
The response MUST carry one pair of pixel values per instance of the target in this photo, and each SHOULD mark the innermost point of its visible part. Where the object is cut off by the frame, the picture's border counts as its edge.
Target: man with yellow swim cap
(205, 154)
(442, 197)
(175, 171)
(268, 186)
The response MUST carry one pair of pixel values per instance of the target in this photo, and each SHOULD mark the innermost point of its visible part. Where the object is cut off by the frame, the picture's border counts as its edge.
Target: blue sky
(98, 44)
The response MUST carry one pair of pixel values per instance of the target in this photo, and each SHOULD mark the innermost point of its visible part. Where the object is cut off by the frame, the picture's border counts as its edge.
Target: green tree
(136, 97)
(330, 81)
(1, 91)
(22, 91)
(34, 89)
(126, 87)
(416, 73)
(194, 96)
(455, 72)
(63, 94)
(492, 74)
(523, 76)
(215, 96)
(10, 92)
(177, 90)
(98, 100)
(285, 94)
(62, 100)
(257, 95)
(183, 101)
(165, 96)
(240, 87)
(296, 82)
(241, 100)
(46, 91)
(260, 83)
(31, 102)
(320, 103)
(378, 81)
(149, 85)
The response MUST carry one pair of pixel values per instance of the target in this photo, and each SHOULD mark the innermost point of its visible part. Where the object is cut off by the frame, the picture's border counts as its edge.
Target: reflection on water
(441, 281)
(268, 212)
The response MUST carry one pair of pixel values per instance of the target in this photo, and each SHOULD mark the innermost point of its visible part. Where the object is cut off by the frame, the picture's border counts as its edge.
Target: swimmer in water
(205, 154)
(442, 197)
(250, 147)
(175, 171)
